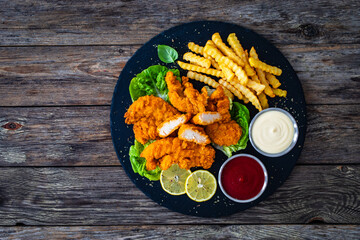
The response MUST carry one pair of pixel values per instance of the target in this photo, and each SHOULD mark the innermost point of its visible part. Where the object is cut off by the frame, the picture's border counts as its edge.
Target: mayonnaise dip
(272, 132)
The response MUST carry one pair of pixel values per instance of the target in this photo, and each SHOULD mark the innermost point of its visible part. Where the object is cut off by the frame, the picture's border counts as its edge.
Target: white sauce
(273, 132)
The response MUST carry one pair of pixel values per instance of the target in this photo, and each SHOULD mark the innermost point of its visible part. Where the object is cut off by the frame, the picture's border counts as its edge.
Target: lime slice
(200, 186)
(173, 179)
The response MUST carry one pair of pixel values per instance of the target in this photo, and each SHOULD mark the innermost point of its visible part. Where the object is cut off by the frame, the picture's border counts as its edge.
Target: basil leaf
(167, 54)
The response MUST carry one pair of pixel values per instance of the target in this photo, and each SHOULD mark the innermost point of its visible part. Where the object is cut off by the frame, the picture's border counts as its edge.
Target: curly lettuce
(151, 81)
(241, 115)
(138, 163)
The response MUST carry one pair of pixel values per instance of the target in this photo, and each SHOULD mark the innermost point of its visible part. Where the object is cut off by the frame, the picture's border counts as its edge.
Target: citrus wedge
(173, 179)
(200, 186)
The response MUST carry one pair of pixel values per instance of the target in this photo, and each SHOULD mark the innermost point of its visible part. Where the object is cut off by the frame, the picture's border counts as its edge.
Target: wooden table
(59, 174)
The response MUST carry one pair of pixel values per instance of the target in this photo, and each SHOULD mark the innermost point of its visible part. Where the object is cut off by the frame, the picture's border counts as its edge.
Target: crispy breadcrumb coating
(219, 102)
(224, 134)
(185, 97)
(168, 151)
(147, 113)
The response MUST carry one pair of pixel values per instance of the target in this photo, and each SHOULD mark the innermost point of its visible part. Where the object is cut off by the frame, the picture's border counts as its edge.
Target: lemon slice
(200, 186)
(173, 179)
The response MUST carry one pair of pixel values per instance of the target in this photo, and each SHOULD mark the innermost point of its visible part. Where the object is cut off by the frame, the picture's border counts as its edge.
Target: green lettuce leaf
(151, 81)
(138, 163)
(241, 115)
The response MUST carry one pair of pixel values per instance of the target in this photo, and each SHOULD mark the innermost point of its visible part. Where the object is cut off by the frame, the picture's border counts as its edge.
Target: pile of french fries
(244, 76)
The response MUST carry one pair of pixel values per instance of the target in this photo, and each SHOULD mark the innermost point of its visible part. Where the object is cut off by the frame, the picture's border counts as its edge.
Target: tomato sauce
(242, 178)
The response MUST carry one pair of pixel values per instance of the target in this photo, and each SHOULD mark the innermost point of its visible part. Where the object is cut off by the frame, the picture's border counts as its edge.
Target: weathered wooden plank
(87, 75)
(105, 196)
(60, 75)
(128, 22)
(68, 136)
(246, 232)
(57, 136)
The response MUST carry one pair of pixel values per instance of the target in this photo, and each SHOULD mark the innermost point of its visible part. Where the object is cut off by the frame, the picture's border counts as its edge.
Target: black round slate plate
(199, 32)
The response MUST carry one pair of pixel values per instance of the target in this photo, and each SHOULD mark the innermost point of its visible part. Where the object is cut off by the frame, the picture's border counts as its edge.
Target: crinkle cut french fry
(253, 53)
(263, 100)
(231, 88)
(229, 75)
(256, 63)
(248, 69)
(210, 43)
(255, 78)
(195, 48)
(247, 93)
(272, 80)
(246, 101)
(221, 59)
(195, 68)
(195, 59)
(239, 72)
(213, 52)
(268, 91)
(256, 86)
(261, 75)
(202, 78)
(213, 62)
(235, 44)
(238, 49)
(226, 50)
(280, 92)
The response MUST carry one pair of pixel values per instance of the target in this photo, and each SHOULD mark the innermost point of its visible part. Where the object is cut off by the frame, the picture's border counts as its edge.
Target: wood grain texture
(71, 136)
(246, 232)
(105, 196)
(56, 55)
(38, 76)
(134, 22)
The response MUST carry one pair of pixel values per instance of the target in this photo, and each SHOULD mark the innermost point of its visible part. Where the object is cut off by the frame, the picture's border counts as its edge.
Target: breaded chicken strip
(170, 125)
(185, 97)
(224, 134)
(147, 113)
(168, 151)
(192, 133)
(206, 118)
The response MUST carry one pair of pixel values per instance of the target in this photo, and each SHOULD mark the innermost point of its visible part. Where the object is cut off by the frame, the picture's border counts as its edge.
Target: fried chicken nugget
(168, 151)
(192, 133)
(185, 97)
(224, 134)
(147, 113)
(170, 125)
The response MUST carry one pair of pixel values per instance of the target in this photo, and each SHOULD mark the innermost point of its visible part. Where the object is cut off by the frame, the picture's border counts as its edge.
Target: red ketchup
(242, 178)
